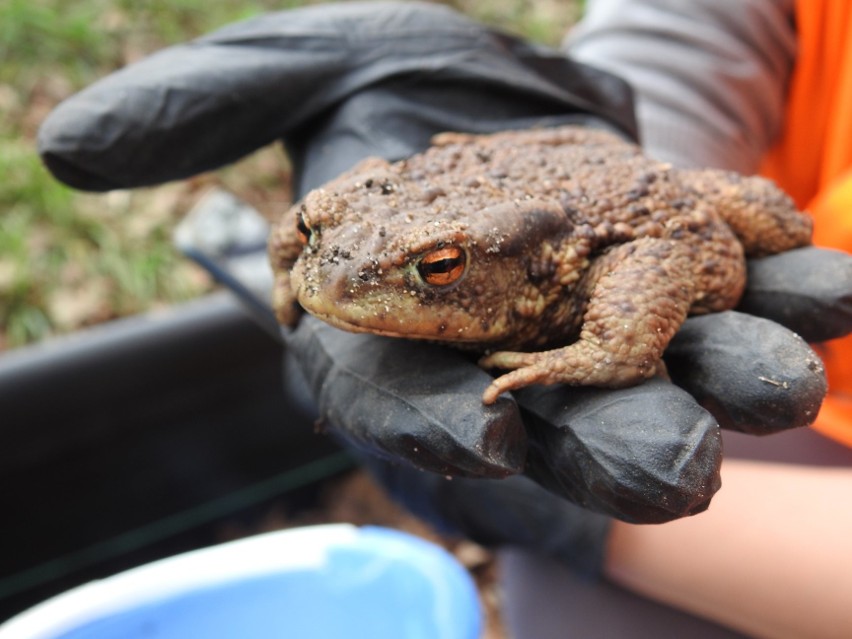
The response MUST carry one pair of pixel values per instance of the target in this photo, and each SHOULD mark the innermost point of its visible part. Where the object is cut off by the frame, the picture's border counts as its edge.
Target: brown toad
(564, 254)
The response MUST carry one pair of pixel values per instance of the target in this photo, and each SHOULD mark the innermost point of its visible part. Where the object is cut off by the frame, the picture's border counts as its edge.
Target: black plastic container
(137, 439)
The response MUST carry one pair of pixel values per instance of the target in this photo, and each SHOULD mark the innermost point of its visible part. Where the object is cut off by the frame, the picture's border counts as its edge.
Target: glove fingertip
(808, 290)
(644, 454)
(753, 375)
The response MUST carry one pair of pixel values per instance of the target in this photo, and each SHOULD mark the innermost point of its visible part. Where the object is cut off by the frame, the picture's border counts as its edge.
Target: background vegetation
(70, 259)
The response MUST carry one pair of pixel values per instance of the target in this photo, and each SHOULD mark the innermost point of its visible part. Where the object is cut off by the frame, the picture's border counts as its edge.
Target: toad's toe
(518, 378)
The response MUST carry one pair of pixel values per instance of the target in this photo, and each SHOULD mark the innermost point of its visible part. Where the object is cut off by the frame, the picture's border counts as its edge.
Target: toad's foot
(581, 363)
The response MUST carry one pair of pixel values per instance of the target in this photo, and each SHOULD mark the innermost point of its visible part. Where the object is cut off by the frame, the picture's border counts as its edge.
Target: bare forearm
(771, 556)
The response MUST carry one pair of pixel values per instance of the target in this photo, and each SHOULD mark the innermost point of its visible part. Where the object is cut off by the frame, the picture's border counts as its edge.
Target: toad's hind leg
(763, 217)
(639, 294)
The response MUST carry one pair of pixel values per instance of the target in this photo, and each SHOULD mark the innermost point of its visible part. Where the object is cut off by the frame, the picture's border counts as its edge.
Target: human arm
(770, 558)
(710, 77)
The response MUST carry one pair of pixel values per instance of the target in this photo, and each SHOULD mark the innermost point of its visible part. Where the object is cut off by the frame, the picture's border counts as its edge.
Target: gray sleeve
(710, 75)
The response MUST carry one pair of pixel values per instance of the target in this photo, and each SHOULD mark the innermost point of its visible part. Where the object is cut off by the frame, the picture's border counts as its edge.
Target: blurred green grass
(69, 259)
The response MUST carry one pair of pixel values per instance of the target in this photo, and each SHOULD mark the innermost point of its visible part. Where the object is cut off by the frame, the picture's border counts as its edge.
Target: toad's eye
(302, 228)
(442, 266)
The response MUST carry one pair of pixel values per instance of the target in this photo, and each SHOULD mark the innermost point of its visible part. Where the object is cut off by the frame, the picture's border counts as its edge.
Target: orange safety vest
(812, 161)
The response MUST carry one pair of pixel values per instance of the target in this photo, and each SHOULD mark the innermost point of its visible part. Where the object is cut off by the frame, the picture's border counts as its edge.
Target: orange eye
(442, 266)
(302, 228)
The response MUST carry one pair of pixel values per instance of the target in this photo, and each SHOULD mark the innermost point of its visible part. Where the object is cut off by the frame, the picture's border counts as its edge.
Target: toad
(564, 255)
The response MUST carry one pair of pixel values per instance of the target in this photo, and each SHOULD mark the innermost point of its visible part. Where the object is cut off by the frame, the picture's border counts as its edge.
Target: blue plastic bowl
(314, 583)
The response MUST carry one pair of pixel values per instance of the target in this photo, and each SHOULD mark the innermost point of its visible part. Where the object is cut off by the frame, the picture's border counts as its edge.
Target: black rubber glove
(339, 83)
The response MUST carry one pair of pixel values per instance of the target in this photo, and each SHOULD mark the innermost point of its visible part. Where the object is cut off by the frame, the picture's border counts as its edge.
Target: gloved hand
(336, 84)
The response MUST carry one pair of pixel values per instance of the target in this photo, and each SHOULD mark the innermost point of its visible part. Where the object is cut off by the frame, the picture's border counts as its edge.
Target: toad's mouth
(407, 329)
(338, 322)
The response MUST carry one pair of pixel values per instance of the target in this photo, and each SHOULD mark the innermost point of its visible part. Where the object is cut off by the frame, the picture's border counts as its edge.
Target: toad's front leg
(284, 249)
(639, 295)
